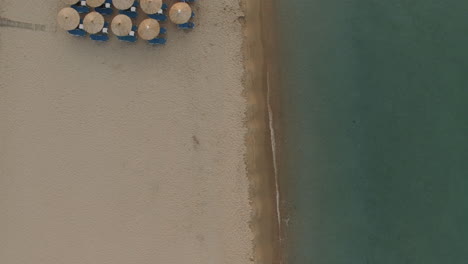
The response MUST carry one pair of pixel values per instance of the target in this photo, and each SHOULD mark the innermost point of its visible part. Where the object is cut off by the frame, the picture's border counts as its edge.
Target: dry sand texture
(122, 153)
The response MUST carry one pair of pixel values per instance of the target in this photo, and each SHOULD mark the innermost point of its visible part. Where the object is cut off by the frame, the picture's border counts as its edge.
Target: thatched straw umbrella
(93, 22)
(123, 4)
(70, 2)
(151, 6)
(95, 3)
(180, 13)
(149, 29)
(68, 18)
(121, 25)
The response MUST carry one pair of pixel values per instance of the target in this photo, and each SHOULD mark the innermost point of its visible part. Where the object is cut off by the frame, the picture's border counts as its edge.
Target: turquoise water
(375, 107)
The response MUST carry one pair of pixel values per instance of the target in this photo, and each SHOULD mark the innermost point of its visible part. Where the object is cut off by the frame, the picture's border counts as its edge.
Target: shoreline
(262, 94)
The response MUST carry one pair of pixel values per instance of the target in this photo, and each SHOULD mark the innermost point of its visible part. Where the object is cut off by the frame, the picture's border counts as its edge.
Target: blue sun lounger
(160, 16)
(99, 37)
(79, 31)
(105, 9)
(81, 7)
(103, 35)
(131, 12)
(159, 40)
(188, 25)
(131, 37)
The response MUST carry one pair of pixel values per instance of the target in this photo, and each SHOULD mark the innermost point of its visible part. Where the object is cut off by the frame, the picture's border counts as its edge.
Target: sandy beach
(128, 153)
(263, 109)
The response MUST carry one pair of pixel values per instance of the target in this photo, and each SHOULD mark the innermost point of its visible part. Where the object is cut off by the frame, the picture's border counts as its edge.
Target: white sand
(122, 153)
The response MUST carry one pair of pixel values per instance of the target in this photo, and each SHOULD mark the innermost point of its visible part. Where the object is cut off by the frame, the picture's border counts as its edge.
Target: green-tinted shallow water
(375, 106)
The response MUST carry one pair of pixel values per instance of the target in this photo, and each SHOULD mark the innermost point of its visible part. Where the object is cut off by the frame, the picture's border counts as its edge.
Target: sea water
(375, 115)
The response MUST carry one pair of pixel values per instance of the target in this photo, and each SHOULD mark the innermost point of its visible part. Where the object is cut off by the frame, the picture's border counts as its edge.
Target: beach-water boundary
(261, 92)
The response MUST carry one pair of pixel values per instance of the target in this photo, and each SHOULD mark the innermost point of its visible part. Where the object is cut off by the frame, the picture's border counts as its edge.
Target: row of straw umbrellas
(179, 13)
(69, 19)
